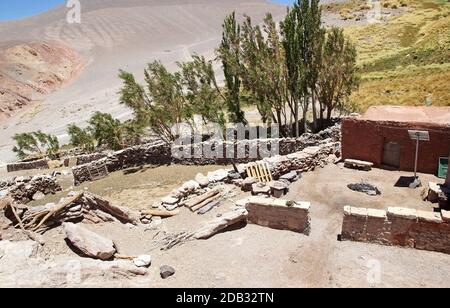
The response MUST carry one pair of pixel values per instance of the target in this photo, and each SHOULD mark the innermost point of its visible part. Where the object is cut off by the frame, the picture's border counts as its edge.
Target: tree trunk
(296, 127)
(314, 108)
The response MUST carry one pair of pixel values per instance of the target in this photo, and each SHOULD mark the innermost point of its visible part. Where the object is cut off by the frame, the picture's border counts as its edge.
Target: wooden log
(161, 213)
(208, 207)
(204, 203)
(58, 208)
(104, 205)
(197, 200)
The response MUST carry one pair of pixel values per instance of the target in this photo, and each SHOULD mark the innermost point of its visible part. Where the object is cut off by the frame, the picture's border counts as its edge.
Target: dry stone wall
(159, 153)
(398, 227)
(26, 189)
(19, 166)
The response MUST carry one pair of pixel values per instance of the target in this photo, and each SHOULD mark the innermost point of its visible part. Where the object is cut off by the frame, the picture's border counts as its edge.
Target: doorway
(391, 156)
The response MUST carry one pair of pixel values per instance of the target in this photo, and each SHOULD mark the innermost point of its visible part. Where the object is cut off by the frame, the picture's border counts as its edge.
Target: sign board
(443, 167)
(419, 135)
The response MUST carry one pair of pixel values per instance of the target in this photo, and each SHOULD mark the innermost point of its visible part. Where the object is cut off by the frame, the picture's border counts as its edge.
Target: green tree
(202, 91)
(264, 70)
(81, 138)
(162, 104)
(230, 56)
(338, 73)
(107, 130)
(35, 143)
(302, 41)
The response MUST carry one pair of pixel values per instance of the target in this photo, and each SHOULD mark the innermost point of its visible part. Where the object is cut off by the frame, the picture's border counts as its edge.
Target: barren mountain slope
(31, 70)
(113, 35)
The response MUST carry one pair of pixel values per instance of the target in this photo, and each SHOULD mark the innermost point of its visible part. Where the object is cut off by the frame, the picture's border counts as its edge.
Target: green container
(443, 167)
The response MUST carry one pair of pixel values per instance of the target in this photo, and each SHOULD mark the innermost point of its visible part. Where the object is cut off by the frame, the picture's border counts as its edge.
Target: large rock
(89, 243)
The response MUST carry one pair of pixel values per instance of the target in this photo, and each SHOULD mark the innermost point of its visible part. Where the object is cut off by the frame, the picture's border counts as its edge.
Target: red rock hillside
(30, 70)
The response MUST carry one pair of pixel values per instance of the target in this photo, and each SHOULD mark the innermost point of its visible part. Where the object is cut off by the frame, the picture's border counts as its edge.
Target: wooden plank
(196, 200)
(204, 203)
(208, 207)
(161, 213)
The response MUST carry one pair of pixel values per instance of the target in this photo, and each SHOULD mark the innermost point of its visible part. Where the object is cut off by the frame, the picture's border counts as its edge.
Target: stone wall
(19, 166)
(398, 227)
(158, 153)
(26, 189)
(279, 214)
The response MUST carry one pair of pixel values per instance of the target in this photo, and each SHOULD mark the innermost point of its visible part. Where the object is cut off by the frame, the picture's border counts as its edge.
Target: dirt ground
(254, 256)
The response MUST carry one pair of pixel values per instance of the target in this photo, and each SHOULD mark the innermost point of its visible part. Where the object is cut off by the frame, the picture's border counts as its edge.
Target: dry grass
(406, 60)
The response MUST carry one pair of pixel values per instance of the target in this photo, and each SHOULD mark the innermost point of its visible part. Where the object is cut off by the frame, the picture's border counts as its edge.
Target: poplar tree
(230, 55)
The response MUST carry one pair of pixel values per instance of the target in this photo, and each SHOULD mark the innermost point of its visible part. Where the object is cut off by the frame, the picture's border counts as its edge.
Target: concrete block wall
(398, 227)
(279, 214)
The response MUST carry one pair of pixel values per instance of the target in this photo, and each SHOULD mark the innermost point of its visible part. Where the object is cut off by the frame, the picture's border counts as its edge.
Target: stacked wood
(204, 200)
(81, 206)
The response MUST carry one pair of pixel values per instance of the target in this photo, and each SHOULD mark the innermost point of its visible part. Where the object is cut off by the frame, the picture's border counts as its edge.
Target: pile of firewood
(77, 207)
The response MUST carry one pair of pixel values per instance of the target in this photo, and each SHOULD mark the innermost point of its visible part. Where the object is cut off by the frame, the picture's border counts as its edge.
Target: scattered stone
(233, 175)
(247, 185)
(278, 188)
(143, 261)
(260, 189)
(291, 176)
(217, 176)
(166, 271)
(190, 187)
(169, 200)
(38, 196)
(202, 180)
(365, 188)
(89, 243)
(171, 207)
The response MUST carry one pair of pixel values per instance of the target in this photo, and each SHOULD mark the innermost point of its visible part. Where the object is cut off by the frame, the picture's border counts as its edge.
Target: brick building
(381, 136)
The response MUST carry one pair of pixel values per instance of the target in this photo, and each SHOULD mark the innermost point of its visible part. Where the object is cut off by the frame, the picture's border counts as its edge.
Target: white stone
(429, 217)
(143, 261)
(402, 213)
(217, 176)
(202, 180)
(170, 200)
(38, 196)
(190, 186)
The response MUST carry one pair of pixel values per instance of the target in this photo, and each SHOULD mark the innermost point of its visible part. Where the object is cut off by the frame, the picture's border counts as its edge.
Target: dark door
(391, 156)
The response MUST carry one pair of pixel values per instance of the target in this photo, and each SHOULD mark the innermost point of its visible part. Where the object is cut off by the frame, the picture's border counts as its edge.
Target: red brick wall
(364, 140)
